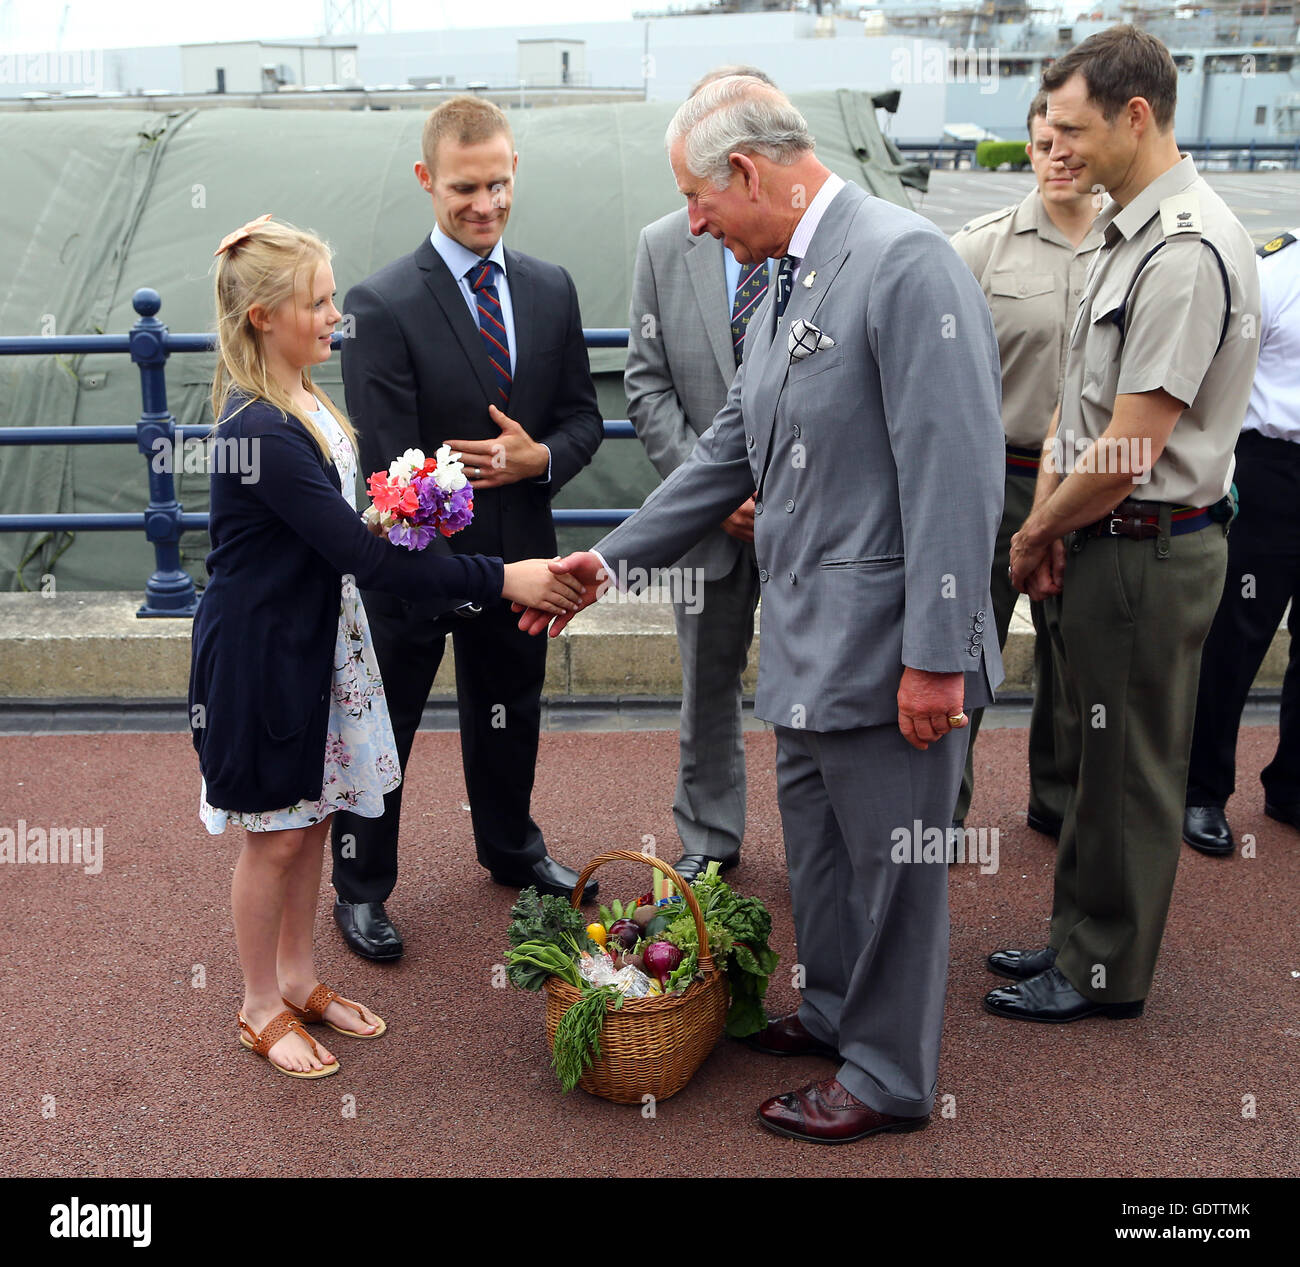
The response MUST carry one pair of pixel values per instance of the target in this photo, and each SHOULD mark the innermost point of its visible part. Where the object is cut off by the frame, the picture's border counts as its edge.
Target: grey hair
(737, 114)
(724, 72)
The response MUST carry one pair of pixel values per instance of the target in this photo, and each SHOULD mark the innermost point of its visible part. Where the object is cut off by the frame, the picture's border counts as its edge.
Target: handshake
(553, 591)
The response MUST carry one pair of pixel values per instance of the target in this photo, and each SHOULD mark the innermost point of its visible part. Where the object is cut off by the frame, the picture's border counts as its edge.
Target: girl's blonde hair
(265, 264)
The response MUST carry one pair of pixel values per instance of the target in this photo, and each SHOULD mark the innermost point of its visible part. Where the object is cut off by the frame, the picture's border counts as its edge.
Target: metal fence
(170, 590)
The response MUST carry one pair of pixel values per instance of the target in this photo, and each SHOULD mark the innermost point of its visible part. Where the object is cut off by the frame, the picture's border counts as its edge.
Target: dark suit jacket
(415, 374)
(263, 645)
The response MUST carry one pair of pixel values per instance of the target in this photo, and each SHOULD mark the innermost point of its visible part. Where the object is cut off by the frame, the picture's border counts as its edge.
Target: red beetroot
(626, 931)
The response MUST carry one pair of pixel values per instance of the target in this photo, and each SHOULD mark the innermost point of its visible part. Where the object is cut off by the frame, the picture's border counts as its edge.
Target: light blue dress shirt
(735, 270)
(461, 260)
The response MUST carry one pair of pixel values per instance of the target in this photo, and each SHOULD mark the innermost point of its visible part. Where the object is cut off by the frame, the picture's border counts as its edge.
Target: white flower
(450, 472)
(404, 467)
(806, 338)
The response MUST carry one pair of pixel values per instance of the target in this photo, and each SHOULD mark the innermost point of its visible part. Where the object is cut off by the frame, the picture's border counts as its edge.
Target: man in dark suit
(467, 344)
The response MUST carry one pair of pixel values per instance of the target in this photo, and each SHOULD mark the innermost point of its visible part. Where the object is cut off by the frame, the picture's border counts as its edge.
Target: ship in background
(963, 70)
(1238, 64)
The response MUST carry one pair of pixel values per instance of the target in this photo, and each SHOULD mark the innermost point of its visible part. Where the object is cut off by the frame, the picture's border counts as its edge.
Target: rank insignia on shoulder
(1273, 247)
(1180, 213)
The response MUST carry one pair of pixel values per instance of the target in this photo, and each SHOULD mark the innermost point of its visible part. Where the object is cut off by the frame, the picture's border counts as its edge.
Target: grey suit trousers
(872, 932)
(714, 642)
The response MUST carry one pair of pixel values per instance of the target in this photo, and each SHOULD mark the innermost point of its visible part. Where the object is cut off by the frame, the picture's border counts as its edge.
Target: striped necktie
(491, 326)
(784, 281)
(749, 294)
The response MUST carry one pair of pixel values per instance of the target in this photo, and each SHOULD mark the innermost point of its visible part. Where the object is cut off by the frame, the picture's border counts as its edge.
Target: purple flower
(457, 510)
(412, 536)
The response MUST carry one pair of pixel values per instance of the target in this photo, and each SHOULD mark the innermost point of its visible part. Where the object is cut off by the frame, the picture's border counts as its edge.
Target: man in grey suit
(692, 302)
(866, 413)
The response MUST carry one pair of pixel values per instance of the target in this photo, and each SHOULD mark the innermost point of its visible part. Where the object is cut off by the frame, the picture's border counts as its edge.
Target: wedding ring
(477, 472)
(959, 717)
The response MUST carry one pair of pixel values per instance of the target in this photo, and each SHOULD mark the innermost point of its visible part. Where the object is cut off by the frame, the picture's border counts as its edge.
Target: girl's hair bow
(240, 234)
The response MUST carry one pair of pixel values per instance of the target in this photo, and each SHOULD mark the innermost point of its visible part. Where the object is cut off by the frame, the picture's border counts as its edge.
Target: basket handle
(633, 855)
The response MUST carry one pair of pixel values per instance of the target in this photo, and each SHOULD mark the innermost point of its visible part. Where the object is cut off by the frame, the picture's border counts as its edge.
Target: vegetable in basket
(548, 920)
(738, 929)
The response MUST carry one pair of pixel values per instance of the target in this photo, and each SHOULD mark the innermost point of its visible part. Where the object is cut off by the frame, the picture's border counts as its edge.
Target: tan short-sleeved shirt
(1033, 277)
(1174, 319)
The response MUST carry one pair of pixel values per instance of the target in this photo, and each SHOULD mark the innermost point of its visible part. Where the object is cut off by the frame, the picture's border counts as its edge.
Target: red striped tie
(491, 326)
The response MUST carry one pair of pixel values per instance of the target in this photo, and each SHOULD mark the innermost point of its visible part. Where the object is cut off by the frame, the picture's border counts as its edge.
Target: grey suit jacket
(879, 465)
(679, 359)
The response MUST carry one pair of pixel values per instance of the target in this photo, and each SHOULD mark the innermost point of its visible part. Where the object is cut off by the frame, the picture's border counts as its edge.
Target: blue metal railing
(170, 590)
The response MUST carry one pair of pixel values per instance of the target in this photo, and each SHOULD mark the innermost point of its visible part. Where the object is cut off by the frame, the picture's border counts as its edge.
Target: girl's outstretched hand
(582, 566)
(531, 583)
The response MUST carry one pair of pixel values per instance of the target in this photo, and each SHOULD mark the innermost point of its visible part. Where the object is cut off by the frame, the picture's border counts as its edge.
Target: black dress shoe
(547, 876)
(367, 929)
(1020, 965)
(1205, 827)
(1288, 814)
(1050, 997)
(690, 866)
(1045, 824)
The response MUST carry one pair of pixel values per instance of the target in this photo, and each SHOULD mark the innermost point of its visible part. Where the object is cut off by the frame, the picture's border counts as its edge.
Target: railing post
(169, 591)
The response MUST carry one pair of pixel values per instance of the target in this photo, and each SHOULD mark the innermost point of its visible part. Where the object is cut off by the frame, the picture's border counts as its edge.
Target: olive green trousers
(1127, 630)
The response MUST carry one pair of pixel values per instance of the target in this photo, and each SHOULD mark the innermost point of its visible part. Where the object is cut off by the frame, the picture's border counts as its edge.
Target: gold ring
(960, 717)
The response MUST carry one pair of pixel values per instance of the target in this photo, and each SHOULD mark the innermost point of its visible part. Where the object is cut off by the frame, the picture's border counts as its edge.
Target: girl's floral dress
(360, 752)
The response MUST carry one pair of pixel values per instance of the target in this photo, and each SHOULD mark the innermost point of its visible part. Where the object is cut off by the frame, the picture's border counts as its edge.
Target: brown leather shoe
(786, 1036)
(825, 1113)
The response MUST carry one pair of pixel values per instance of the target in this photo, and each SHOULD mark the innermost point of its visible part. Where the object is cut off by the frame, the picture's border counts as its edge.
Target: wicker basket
(649, 1046)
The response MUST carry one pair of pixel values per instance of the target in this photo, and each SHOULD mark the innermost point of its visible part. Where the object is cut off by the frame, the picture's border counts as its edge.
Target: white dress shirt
(1274, 408)
(811, 218)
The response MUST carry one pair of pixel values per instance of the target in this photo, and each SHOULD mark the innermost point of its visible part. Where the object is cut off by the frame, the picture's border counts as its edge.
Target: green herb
(577, 1036)
(680, 977)
(738, 929)
(544, 920)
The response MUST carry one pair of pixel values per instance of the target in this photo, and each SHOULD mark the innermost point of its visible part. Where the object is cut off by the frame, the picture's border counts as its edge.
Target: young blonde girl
(286, 703)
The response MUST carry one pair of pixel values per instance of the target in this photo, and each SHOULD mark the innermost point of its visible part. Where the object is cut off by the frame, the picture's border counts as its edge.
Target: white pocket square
(805, 339)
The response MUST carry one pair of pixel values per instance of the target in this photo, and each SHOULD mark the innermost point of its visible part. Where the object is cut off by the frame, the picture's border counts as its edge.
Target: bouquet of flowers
(419, 496)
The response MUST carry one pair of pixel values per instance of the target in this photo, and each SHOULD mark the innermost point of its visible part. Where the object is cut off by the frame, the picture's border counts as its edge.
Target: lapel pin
(808, 281)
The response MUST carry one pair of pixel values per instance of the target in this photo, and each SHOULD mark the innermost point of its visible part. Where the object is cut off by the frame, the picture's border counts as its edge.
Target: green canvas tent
(100, 203)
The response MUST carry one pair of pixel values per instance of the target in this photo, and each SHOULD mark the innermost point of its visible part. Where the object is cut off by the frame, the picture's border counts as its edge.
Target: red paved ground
(148, 1079)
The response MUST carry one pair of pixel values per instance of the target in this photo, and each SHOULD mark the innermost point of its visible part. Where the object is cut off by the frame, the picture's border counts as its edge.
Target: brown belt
(1141, 521)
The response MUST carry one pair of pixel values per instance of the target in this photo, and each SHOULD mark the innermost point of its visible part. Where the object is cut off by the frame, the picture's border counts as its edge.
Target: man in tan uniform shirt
(1157, 379)
(1031, 260)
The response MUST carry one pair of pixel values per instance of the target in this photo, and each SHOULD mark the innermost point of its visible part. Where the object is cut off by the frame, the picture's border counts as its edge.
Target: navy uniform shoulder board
(1273, 247)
